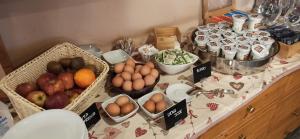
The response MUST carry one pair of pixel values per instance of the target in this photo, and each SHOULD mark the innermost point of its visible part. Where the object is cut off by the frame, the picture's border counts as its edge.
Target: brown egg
(145, 70)
(149, 105)
(127, 108)
(122, 100)
(137, 68)
(136, 76)
(119, 67)
(129, 69)
(117, 81)
(149, 80)
(160, 106)
(150, 64)
(138, 84)
(157, 97)
(154, 73)
(130, 62)
(118, 75)
(126, 76)
(113, 109)
(127, 86)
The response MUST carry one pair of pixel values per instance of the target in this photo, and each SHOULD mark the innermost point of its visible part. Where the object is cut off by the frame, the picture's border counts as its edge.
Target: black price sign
(201, 71)
(175, 114)
(90, 116)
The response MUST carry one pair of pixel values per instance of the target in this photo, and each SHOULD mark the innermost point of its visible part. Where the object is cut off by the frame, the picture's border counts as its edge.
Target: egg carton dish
(155, 103)
(120, 107)
(173, 61)
(246, 53)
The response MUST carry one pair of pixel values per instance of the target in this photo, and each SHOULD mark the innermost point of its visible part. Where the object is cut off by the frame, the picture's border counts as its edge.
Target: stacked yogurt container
(233, 42)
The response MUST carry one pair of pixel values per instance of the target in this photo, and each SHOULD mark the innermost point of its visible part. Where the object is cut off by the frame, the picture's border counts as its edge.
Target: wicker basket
(31, 71)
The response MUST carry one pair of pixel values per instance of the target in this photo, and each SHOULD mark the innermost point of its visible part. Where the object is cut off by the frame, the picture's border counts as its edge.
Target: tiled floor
(294, 135)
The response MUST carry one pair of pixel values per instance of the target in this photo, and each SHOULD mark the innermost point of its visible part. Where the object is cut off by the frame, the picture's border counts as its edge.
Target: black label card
(201, 71)
(90, 116)
(175, 114)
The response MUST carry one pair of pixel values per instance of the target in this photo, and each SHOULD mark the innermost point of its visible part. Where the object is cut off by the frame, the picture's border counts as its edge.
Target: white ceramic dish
(177, 92)
(120, 118)
(173, 69)
(143, 99)
(116, 56)
(49, 124)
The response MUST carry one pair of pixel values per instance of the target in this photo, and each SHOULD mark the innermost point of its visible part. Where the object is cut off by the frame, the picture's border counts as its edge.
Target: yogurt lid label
(242, 38)
(201, 33)
(214, 36)
(238, 16)
(213, 44)
(200, 38)
(264, 38)
(258, 49)
(227, 41)
(228, 34)
(244, 47)
(263, 34)
(212, 25)
(227, 48)
(214, 31)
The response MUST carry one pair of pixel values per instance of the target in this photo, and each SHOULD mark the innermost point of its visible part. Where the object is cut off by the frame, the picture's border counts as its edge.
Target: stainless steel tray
(225, 66)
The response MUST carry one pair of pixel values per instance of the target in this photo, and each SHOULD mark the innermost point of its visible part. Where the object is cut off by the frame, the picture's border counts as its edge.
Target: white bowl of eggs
(120, 107)
(133, 79)
(155, 103)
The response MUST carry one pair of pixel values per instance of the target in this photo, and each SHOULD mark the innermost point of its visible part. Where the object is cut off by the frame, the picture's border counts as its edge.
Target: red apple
(72, 94)
(67, 78)
(44, 78)
(37, 97)
(25, 88)
(53, 87)
(57, 101)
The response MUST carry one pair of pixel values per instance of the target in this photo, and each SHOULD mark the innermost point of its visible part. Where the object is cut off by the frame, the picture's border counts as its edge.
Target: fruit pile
(121, 107)
(134, 77)
(156, 103)
(61, 84)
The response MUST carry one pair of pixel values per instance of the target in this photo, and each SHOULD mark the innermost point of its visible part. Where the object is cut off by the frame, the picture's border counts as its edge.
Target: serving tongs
(196, 90)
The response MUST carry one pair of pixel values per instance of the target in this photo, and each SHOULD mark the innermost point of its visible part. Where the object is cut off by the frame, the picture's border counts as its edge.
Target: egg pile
(134, 77)
(122, 106)
(156, 103)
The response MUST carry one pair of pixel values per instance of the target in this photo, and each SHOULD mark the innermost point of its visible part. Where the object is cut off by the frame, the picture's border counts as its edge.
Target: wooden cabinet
(272, 114)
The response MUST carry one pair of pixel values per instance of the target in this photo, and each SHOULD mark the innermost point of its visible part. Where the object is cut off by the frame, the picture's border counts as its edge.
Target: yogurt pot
(243, 51)
(215, 31)
(223, 24)
(201, 33)
(242, 40)
(251, 35)
(229, 52)
(267, 42)
(263, 34)
(258, 51)
(228, 41)
(203, 28)
(214, 47)
(253, 42)
(225, 28)
(201, 41)
(214, 37)
(254, 21)
(229, 34)
(238, 22)
(212, 25)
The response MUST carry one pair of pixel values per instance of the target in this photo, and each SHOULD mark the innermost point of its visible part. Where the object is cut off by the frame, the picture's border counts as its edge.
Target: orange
(84, 77)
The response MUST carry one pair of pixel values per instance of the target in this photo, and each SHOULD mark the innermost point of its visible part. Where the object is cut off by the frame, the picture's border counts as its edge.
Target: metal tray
(225, 66)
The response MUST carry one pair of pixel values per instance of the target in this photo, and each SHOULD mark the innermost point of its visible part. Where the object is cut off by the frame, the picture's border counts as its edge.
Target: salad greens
(174, 57)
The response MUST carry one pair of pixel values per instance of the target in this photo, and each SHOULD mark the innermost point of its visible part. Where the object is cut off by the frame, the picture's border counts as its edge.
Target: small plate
(116, 56)
(177, 92)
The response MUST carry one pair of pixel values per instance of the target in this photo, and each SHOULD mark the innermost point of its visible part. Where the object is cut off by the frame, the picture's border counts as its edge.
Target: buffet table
(204, 111)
